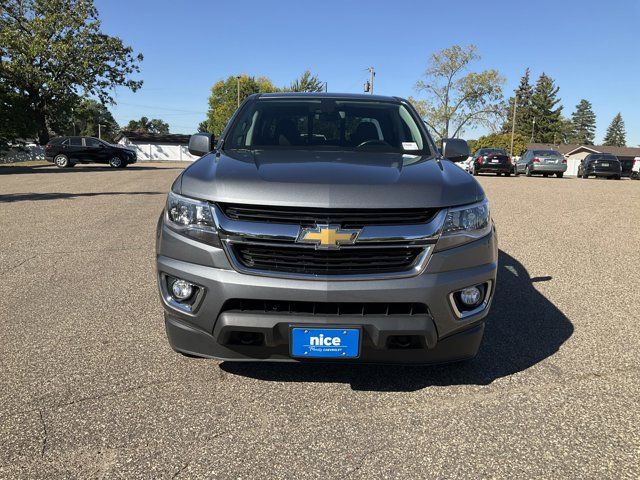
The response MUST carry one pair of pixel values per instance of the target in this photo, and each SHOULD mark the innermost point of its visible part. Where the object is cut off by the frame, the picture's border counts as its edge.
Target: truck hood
(328, 180)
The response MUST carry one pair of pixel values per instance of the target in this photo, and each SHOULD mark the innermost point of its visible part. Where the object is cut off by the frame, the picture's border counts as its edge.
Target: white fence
(155, 152)
(22, 154)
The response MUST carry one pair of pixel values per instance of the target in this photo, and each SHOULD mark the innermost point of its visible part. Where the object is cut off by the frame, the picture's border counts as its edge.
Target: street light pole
(100, 131)
(373, 74)
(238, 82)
(533, 129)
(513, 123)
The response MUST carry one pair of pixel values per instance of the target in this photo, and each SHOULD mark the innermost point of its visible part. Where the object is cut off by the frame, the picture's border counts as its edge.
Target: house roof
(569, 148)
(172, 138)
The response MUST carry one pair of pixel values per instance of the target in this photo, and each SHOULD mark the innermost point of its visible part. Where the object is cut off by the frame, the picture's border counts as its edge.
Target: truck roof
(354, 96)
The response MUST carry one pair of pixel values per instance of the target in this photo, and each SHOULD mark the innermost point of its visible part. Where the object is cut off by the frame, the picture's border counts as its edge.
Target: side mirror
(201, 143)
(455, 149)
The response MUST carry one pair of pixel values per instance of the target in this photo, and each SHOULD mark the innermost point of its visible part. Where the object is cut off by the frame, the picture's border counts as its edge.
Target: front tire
(528, 171)
(508, 174)
(559, 174)
(116, 162)
(61, 161)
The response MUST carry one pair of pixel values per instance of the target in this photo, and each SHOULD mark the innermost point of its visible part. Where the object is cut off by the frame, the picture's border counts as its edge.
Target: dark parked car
(67, 151)
(492, 160)
(544, 162)
(600, 165)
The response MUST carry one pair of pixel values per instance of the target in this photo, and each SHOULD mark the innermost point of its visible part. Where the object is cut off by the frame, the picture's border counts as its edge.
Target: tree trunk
(43, 131)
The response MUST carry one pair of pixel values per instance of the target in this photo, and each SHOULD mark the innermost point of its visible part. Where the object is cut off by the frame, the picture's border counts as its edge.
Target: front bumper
(442, 335)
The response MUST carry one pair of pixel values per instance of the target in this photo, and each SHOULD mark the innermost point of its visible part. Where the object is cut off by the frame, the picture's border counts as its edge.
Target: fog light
(181, 290)
(470, 296)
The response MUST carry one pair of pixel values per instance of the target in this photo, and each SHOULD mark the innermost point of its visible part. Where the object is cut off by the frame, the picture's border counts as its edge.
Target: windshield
(546, 153)
(327, 124)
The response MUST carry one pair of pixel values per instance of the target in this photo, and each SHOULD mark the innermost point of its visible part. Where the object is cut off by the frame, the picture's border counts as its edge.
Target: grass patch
(30, 163)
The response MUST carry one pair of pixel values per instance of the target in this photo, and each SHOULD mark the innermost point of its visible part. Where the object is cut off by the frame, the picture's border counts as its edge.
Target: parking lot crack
(13, 267)
(115, 394)
(45, 435)
(363, 459)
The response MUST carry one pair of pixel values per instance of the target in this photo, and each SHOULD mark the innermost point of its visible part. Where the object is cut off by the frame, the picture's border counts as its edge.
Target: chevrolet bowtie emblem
(328, 236)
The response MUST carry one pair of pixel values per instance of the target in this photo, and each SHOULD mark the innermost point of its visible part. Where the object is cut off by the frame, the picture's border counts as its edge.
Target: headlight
(465, 224)
(191, 218)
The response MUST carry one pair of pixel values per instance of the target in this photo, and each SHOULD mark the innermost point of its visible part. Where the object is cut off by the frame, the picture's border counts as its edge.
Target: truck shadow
(522, 329)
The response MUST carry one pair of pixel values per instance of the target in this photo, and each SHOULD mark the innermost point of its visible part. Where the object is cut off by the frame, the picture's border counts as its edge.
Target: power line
(160, 108)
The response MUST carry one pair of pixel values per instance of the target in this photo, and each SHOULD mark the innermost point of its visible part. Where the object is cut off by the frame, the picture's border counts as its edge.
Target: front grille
(324, 308)
(346, 218)
(346, 261)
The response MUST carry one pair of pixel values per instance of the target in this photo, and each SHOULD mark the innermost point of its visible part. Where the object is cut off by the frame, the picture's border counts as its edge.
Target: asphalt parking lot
(91, 388)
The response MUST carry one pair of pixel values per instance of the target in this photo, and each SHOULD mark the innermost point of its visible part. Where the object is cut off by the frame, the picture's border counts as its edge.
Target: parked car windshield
(546, 153)
(327, 124)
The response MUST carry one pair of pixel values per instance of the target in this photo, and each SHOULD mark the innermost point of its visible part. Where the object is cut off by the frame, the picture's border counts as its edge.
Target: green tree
(87, 115)
(616, 135)
(15, 120)
(203, 126)
(501, 140)
(53, 50)
(583, 124)
(223, 100)
(455, 99)
(307, 82)
(146, 125)
(524, 117)
(546, 112)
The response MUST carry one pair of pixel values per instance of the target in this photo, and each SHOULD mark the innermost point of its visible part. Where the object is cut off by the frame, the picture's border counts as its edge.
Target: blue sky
(591, 49)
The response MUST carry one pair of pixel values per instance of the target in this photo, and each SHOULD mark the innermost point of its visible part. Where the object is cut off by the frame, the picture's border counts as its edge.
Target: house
(155, 146)
(574, 153)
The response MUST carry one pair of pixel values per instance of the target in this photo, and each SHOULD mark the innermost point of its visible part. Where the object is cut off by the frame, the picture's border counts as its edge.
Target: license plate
(495, 161)
(604, 164)
(325, 342)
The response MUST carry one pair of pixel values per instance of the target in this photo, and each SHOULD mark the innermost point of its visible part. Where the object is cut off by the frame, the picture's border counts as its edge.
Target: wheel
(508, 174)
(61, 161)
(475, 172)
(559, 174)
(116, 162)
(584, 175)
(545, 175)
(498, 174)
(617, 177)
(528, 171)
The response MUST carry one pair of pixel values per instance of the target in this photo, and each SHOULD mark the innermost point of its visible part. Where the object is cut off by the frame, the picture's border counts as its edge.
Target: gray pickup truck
(326, 227)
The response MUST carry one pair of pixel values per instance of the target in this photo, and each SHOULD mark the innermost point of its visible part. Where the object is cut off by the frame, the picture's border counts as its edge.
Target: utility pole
(373, 74)
(238, 82)
(326, 87)
(513, 123)
(533, 129)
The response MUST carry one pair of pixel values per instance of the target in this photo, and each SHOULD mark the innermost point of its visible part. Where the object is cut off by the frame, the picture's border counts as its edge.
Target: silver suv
(326, 227)
(543, 162)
